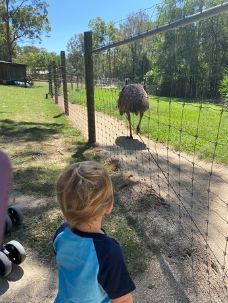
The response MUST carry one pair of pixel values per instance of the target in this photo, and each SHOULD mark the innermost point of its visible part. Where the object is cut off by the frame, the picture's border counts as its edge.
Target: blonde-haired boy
(91, 267)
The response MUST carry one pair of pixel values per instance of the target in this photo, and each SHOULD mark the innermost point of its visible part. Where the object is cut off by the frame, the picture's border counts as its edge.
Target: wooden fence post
(77, 82)
(89, 86)
(64, 79)
(50, 81)
(71, 81)
(55, 81)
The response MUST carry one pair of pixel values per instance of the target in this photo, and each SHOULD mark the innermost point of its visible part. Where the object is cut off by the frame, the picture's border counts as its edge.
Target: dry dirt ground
(169, 213)
(32, 281)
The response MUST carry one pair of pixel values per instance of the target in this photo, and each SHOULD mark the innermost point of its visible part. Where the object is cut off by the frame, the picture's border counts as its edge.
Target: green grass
(41, 142)
(187, 126)
(28, 124)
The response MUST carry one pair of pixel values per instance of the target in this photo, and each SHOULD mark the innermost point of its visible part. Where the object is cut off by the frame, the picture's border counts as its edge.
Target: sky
(69, 17)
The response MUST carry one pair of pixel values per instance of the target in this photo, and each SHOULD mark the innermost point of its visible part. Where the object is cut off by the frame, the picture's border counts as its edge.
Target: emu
(133, 99)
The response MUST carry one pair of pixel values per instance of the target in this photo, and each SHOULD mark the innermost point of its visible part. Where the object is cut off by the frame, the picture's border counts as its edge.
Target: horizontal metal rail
(210, 12)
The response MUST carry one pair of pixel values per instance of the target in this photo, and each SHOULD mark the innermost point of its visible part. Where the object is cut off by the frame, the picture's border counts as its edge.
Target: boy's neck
(91, 227)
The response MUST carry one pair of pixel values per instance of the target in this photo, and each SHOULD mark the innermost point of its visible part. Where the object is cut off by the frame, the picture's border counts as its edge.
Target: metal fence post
(89, 86)
(50, 81)
(64, 79)
(55, 81)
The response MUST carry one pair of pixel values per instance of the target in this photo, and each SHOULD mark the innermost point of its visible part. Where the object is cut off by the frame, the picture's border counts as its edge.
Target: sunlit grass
(199, 128)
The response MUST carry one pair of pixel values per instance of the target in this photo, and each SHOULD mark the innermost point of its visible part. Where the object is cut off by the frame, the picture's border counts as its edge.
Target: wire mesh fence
(175, 187)
(179, 195)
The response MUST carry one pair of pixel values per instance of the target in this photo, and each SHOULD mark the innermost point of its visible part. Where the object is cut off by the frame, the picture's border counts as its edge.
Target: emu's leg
(129, 120)
(140, 119)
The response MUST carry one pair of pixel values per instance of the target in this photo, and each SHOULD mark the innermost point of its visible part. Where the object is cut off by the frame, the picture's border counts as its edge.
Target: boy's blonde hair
(84, 189)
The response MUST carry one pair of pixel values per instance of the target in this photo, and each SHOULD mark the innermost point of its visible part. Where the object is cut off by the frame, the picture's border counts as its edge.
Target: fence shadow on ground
(130, 144)
(36, 180)
(28, 131)
(82, 153)
(16, 274)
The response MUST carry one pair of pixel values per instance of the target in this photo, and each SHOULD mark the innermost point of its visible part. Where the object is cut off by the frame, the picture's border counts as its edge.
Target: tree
(139, 51)
(191, 59)
(36, 59)
(21, 19)
(223, 86)
(103, 34)
(75, 59)
(186, 62)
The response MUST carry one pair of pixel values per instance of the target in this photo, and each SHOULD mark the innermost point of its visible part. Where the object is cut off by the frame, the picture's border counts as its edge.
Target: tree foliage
(21, 19)
(75, 48)
(192, 59)
(186, 62)
(223, 86)
(36, 59)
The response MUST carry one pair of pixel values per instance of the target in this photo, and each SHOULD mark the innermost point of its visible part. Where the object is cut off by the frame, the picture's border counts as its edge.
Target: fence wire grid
(176, 187)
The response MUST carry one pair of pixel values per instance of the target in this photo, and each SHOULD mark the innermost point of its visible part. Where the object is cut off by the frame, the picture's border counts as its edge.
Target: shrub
(223, 86)
(152, 81)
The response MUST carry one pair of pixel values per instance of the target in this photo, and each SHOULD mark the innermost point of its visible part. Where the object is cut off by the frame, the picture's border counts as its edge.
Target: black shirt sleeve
(58, 231)
(113, 275)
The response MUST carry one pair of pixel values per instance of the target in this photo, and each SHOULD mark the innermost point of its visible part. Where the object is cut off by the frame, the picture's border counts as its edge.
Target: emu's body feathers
(133, 99)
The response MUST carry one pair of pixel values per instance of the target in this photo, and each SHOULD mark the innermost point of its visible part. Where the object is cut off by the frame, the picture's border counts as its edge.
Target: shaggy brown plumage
(133, 99)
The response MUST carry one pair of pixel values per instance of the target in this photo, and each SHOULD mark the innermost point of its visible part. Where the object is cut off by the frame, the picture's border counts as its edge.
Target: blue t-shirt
(91, 267)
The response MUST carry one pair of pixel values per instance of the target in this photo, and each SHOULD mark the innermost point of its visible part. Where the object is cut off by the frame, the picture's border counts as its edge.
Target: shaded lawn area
(30, 134)
(192, 127)
(41, 142)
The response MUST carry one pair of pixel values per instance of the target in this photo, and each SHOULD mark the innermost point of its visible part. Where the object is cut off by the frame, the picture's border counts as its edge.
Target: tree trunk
(8, 41)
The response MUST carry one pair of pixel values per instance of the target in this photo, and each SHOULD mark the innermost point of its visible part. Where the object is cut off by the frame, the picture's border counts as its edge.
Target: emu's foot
(130, 137)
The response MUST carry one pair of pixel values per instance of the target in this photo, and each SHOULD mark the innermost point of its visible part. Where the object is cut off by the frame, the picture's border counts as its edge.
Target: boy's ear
(109, 209)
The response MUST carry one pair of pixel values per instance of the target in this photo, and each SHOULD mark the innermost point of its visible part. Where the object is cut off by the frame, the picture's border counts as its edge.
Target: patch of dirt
(32, 281)
(179, 268)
